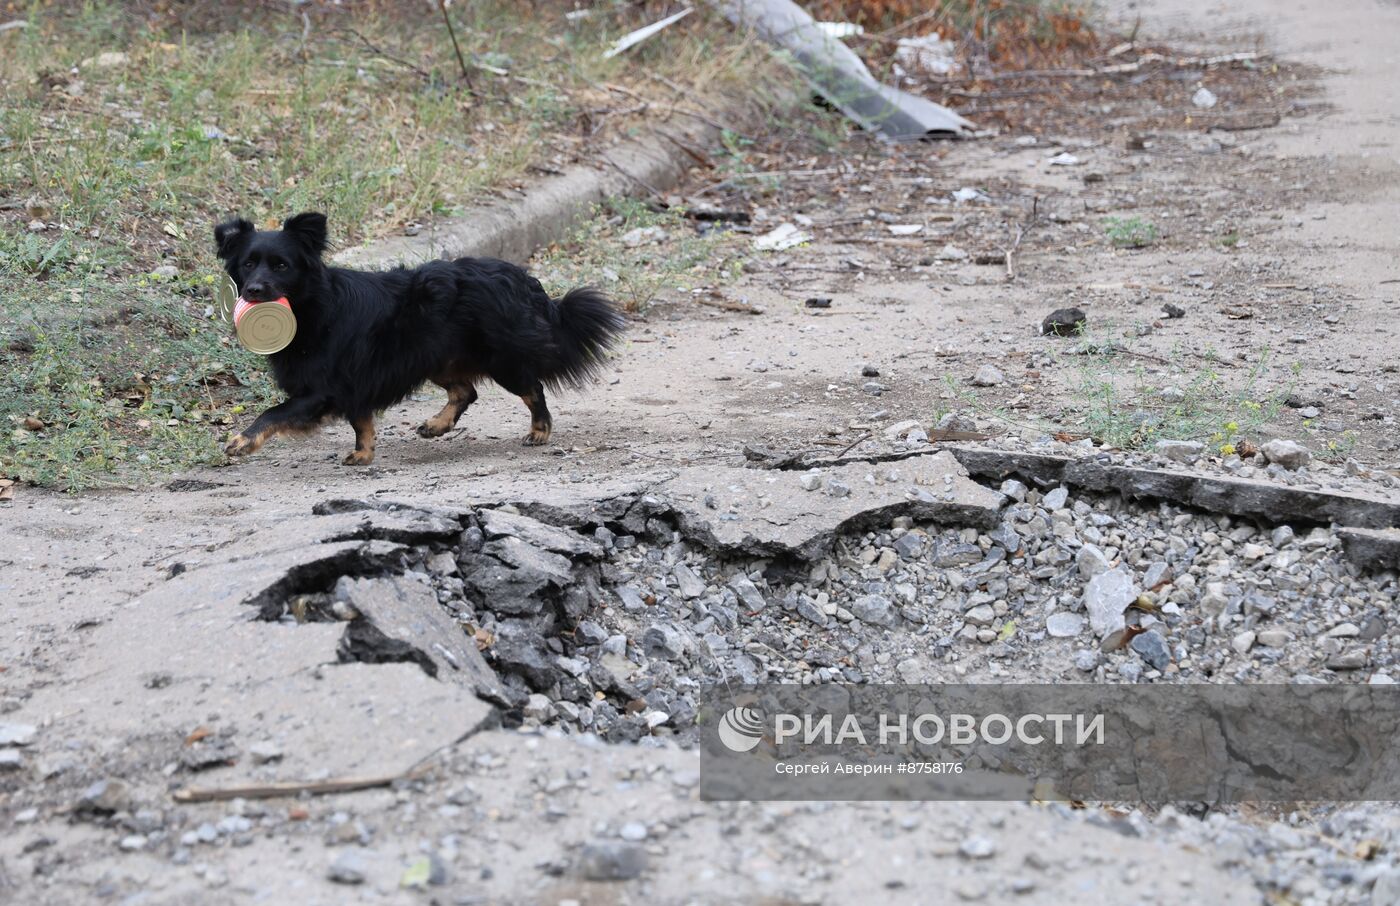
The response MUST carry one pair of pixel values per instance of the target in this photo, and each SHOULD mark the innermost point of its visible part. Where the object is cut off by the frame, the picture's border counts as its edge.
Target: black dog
(366, 340)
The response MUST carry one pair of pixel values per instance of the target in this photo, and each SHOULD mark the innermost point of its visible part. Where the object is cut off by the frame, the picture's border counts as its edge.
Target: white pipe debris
(632, 39)
(839, 76)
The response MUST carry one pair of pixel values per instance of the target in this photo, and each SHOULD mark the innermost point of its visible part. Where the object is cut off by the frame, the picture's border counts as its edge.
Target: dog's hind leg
(460, 395)
(296, 415)
(364, 441)
(541, 422)
(531, 393)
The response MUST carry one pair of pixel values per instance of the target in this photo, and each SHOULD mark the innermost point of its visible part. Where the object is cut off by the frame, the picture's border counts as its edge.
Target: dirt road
(1292, 228)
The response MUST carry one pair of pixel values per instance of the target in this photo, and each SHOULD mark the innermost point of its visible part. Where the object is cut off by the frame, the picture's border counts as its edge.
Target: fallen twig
(855, 443)
(1268, 122)
(878, 240)
(729, 305)
(381, 52)
(292, 788)
(1116, 69)
(1185, 62)
(685, 147)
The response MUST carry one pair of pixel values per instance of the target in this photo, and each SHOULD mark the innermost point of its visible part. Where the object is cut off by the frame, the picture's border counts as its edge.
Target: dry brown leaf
(1120, 639)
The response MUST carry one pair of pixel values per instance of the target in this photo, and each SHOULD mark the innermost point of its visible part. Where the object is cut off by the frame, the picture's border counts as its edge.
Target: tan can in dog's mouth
(264, 327)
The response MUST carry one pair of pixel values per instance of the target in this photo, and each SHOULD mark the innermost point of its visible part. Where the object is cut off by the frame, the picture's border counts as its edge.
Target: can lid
(267, 327)
(225, 297)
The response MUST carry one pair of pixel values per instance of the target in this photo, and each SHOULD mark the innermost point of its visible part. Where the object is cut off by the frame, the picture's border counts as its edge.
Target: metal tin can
(264, 327)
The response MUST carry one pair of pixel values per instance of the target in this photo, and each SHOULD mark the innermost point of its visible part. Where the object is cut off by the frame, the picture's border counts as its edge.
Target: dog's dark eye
(247, 265)
(279, 266)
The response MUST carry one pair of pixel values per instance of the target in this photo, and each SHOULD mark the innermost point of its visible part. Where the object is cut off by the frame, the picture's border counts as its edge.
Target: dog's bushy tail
(586, 324)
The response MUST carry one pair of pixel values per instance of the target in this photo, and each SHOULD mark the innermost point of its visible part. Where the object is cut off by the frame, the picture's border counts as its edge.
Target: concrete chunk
(1215, 493)
(1371, 548)
(499, 523)
(408, 612)
(765, 512)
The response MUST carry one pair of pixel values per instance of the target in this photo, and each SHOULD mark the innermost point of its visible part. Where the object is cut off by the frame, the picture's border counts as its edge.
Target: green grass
(127, 166)
(123, 394)
(1128, 408)
(1117, 401)
(192, 127)
(1130, 232)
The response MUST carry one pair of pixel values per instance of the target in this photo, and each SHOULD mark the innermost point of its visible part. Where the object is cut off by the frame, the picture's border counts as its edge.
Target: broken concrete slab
(350, 720)
(407, 612)
(576, 506)
(518, 566)
(756, 512)
(386, 521)
(401, 527)
(1374, 549)
(194, 653)
(500, 523)
(361, 505)
(515, 578)
(1262, 500)
(263, 580)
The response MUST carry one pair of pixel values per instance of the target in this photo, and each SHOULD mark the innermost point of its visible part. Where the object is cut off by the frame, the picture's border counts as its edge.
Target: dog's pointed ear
(309, 229)
(229, 234)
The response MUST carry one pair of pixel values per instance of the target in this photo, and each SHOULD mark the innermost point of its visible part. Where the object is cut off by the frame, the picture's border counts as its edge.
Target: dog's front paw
(241, 445)
(359, 458)
(428, 429)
